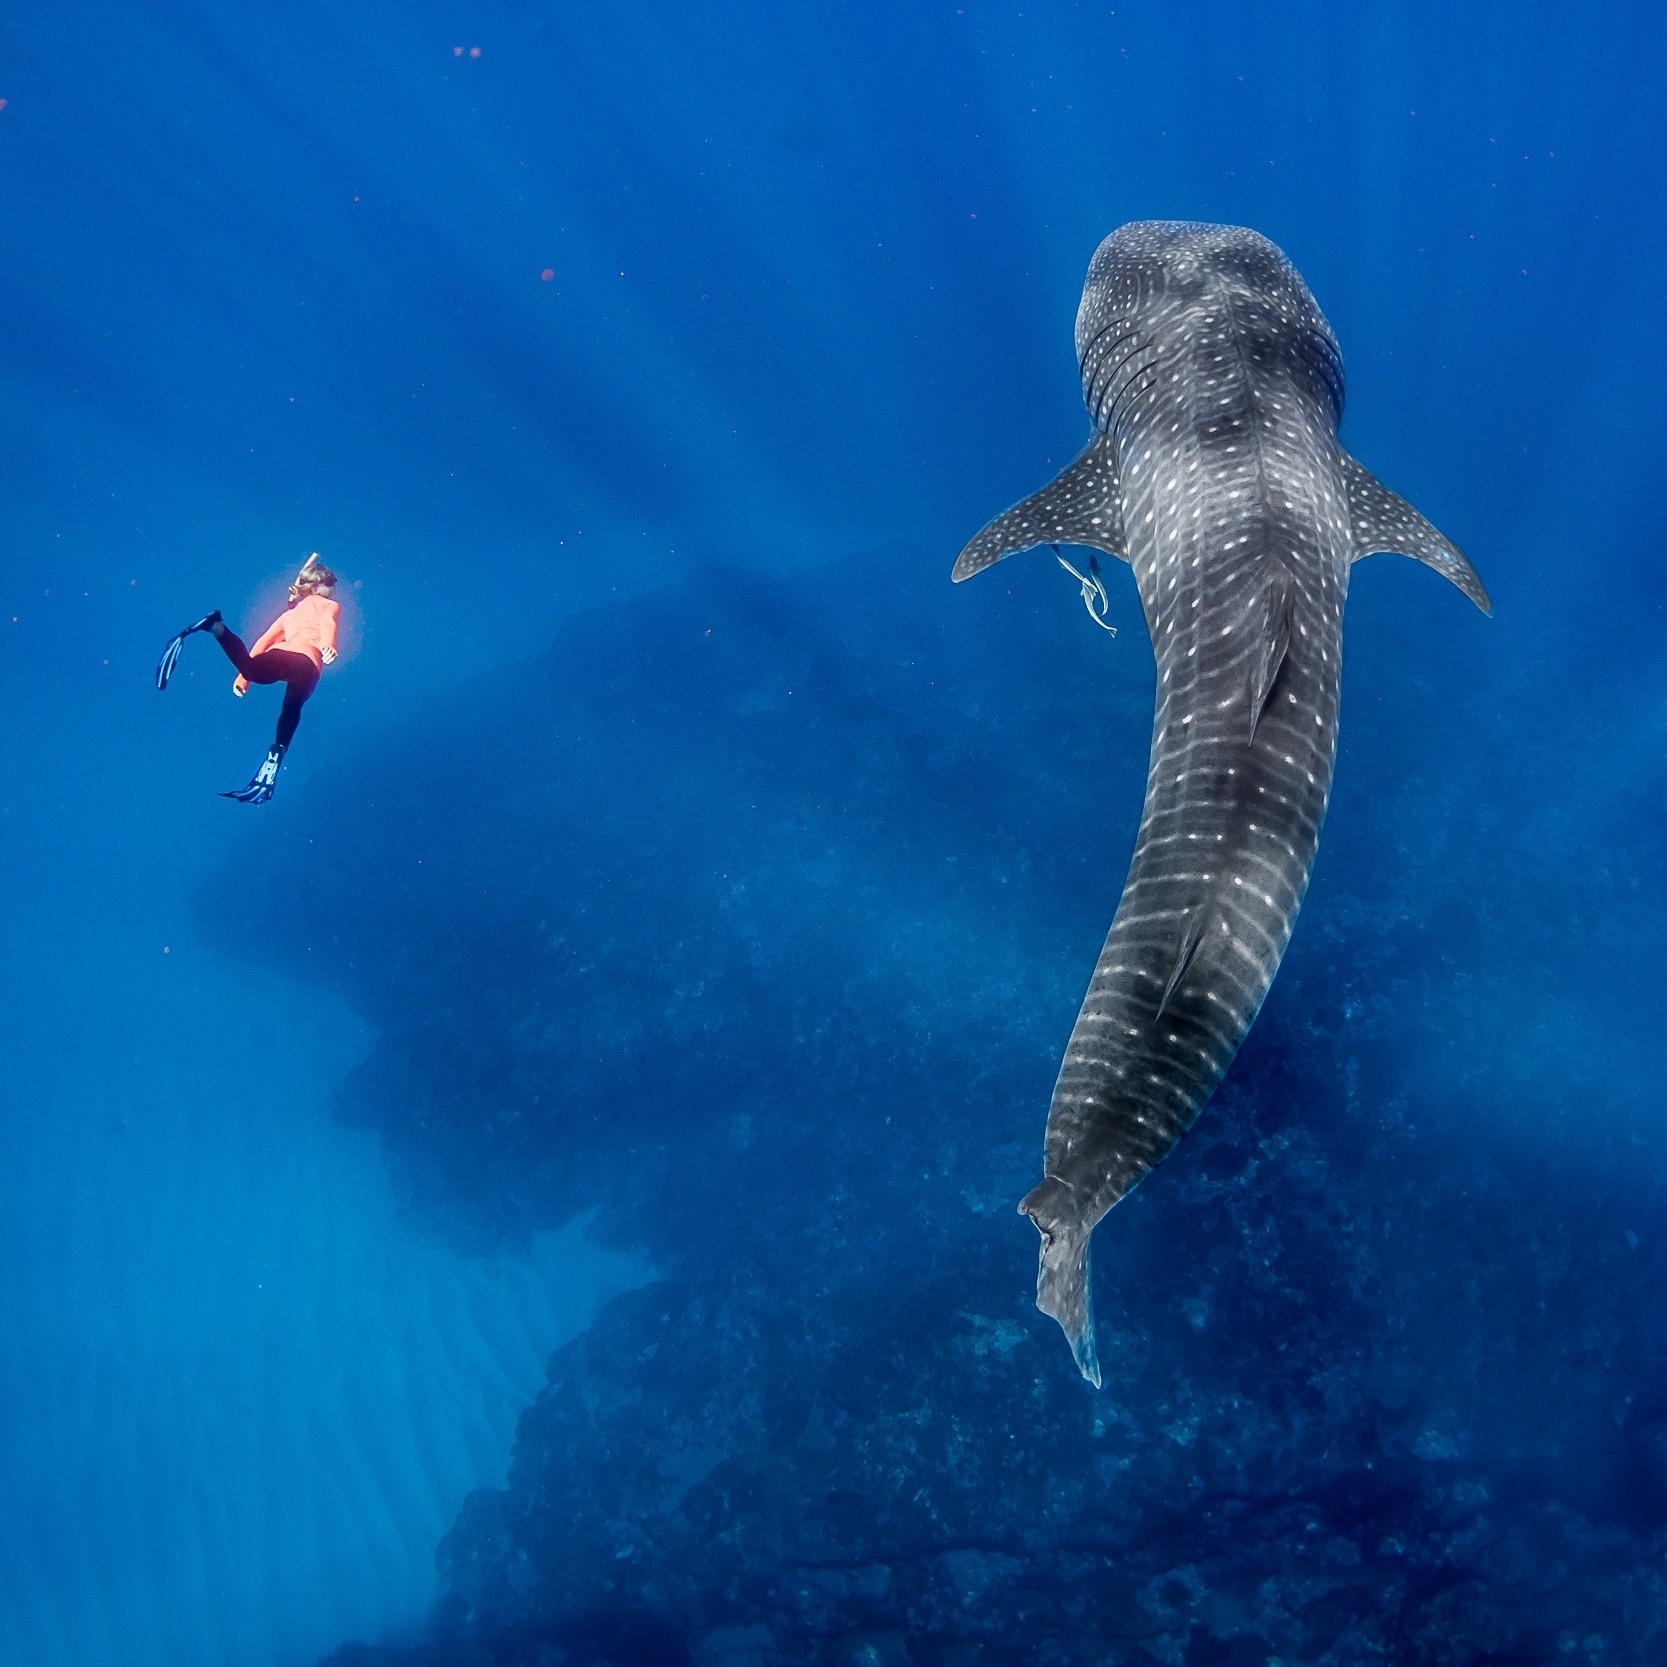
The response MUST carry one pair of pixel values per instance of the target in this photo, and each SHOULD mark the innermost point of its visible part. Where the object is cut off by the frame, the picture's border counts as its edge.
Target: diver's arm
(327, 631)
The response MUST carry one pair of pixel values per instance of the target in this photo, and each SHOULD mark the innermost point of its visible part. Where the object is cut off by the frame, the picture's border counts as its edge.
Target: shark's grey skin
(1214, 469)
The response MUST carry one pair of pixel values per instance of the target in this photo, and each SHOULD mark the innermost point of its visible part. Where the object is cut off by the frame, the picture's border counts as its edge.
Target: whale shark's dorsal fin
(1190, 941)
(1276, 645)
(1083, 504)
(1382, 521)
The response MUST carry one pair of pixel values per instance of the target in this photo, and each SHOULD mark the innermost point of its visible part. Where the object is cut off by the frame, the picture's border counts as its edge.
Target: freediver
(293, 650)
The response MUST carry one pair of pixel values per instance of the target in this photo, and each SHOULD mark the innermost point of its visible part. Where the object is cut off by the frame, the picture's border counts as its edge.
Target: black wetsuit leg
(295, 697)
(295, 671)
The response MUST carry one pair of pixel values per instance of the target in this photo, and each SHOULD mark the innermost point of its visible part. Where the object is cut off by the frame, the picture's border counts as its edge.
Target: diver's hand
(329, 656)
(240, 685)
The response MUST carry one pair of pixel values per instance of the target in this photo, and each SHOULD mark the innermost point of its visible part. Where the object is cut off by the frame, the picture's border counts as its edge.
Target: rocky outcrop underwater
(754, 914)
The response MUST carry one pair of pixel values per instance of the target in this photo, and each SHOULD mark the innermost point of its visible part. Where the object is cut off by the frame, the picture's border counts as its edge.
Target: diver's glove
(265, 780)
(170, 655)
(329, 656)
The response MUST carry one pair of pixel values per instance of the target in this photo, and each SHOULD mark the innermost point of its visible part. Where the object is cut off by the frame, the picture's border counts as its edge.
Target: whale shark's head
(1152, 274)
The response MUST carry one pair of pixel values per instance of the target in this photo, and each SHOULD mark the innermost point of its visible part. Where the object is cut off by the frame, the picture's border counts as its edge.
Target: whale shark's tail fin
(1062, 1288)
(1382, 521)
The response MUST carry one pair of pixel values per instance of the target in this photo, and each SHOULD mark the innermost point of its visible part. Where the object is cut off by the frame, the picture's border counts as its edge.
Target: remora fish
(1216, 388)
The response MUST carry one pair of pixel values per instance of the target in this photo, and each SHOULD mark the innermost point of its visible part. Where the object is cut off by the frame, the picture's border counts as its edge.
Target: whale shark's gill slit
(1114, 364)
(1086, 357)
(1099, 373)
(1131, 368)
(1140, 381)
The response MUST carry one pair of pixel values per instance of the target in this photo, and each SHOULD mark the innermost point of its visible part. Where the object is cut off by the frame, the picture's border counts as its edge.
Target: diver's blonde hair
(314, 576)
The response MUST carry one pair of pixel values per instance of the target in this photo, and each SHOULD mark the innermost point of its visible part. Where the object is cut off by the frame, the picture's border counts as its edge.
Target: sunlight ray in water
(243, 1401)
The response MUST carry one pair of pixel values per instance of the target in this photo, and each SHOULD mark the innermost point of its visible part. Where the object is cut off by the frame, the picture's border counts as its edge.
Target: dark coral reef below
(754, 915)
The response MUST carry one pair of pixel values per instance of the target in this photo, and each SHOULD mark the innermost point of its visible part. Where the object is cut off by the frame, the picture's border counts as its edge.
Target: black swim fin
(170, 655)
(265, 780)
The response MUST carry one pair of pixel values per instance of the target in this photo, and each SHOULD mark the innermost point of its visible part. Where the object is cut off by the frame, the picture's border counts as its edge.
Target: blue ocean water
(542, 1189)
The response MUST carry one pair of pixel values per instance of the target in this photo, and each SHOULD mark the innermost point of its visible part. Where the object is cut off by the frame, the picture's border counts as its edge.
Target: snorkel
(314, 579)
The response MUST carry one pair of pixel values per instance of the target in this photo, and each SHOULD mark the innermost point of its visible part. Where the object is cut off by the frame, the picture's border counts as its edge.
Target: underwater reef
(753, 915)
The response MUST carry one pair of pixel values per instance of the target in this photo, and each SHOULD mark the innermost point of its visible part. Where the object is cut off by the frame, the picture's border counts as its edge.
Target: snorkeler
(293, 650)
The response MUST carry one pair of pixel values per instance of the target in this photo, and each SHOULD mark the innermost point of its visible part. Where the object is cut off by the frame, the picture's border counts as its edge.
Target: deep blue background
(272, 282)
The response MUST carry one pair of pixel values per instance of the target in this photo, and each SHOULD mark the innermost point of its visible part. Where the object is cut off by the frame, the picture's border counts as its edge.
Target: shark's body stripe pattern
(1216, 389)
(1220, 387)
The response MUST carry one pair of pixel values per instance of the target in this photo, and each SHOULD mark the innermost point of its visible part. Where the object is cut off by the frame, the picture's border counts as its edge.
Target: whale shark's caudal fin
(1382, 521)
(1062, 1290)
(1083, 504)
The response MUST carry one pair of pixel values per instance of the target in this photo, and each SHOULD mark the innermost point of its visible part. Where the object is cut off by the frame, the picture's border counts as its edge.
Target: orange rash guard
(308, 628)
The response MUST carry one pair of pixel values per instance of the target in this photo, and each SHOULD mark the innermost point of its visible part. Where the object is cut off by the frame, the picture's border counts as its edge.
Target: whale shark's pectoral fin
(1083, 504)
(1383, 521)
(1062, 1288)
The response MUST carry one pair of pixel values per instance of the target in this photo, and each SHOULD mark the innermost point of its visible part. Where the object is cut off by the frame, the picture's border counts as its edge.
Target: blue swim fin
(170, 655)
(265, 780)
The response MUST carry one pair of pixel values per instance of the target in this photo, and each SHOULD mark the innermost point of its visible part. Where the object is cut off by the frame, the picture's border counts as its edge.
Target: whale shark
(1215, 470)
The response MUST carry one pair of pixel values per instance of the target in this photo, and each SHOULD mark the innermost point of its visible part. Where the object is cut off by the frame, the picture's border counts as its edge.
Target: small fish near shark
(1215, 471)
